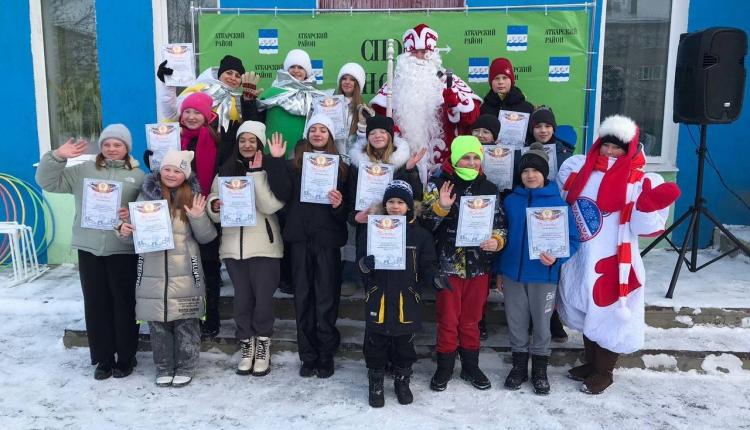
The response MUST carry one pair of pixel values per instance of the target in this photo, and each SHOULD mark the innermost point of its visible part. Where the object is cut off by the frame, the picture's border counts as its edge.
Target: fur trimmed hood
(398, 159)
(151, 188)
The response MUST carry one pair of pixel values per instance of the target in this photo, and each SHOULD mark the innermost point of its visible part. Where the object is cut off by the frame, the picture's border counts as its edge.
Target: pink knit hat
(201, 102)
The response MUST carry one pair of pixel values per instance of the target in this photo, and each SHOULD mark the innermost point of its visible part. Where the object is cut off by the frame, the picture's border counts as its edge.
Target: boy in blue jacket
(530, 285)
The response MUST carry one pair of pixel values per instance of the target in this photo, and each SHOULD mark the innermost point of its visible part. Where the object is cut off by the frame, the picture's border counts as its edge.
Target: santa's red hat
(420, 37)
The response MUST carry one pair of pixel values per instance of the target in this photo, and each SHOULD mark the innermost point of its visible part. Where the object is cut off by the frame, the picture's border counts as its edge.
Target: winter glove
(147, 158)
(163, 70)
(450, 98)
(250, 85)
(653, 199)
(364, 112)
(440, 283)
(367, 264)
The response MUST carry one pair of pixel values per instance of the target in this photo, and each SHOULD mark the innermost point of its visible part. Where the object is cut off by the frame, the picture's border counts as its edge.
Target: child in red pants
(464, 270)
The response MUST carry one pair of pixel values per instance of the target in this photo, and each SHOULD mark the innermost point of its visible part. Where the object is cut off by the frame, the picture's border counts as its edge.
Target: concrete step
(352, 307)
(722, 243)
(672, 349)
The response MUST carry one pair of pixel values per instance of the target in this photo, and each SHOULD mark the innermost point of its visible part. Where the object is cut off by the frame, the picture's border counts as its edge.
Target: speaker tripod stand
(692, 234)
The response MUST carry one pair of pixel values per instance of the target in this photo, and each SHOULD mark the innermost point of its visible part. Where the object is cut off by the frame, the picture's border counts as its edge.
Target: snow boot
(520, 371)
(324, 367)
(539, 374)
(181, 380)
(103, 371)
(262, 365)
(556, 329)
(401, 379)
(579, 373)
(444, 371)
(124, 368)
(470, 370)
(247, 347)
(164, 381)
(483, 333)
(376, 396)
(307, 369)
(601, 378)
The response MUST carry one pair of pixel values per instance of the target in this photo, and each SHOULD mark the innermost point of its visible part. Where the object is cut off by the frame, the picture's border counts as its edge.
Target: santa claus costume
(427, 113)
(601, 290)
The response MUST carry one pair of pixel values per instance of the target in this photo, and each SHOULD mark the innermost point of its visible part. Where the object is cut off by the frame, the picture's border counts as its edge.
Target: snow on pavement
(45, 385)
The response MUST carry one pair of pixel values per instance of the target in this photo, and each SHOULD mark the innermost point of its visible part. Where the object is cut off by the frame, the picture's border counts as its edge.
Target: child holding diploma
(464, 270)
(106, 266)
(169, 289)
(392, 309)
(316, 233)
(529, 285)
(252, 254)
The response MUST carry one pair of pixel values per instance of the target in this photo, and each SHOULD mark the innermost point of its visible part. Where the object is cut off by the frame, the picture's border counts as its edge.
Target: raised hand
(446, 195)
(277, 149)
(659, 197)
(71, 149)
(335, 197)
(414, 159)
(363, 112)
(250, 85)
(199, 205)
(163, 70)
(257, 160)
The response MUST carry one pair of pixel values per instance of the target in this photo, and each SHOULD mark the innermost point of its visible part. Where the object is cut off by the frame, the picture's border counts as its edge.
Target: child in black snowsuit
(392, 299)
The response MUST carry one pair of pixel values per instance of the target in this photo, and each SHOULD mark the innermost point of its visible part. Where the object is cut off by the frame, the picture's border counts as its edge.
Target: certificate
(160, 138)
(386, 240)
(475, 218)
(153, 226)
(497, 164)
(101, 200)
(319, 174)
(237, 194)
(548, 231)
(334, 107)
(181, 60)
(551, 150)
(513, 128)
(372, 180)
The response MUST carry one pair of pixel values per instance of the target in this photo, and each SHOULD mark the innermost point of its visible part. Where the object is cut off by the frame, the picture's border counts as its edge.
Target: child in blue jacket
(530, 285)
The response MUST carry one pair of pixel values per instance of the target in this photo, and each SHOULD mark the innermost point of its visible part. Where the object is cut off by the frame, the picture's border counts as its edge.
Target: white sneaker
(181, 381)
(247, 349)
(262, 364)
(163, 381)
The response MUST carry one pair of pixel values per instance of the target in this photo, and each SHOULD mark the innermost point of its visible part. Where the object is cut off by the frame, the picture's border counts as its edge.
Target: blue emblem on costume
(588, 217)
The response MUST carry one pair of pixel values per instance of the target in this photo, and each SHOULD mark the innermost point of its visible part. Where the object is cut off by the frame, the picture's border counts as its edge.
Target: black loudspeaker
(710, 76)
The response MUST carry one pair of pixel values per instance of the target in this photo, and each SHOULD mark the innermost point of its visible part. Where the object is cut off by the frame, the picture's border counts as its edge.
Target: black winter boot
(556, 328)
(520, 371)
(539, 374)
(470, 369)
(401, 379)
(376, 397)
(444, 371)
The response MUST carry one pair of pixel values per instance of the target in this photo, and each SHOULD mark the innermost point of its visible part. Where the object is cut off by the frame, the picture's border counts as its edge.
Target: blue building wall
(727, 143)
(125, 46)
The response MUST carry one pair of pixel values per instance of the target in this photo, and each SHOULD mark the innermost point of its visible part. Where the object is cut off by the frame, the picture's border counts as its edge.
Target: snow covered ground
(45, 385)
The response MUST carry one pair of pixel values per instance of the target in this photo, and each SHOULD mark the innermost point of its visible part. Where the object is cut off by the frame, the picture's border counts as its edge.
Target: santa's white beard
(417, 99)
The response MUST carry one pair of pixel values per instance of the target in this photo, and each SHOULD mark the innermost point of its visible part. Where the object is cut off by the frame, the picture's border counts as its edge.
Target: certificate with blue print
(475, 217)
(319, 175)
(386, 240)
(548, 231)
(152, 226)
(237, 195)
(101, 200)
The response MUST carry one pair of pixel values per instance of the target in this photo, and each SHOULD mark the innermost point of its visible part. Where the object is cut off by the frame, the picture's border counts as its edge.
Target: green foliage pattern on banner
(548, 50)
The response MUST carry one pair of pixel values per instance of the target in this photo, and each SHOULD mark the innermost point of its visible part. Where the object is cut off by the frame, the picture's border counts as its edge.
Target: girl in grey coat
(106, 266)
(170, 291)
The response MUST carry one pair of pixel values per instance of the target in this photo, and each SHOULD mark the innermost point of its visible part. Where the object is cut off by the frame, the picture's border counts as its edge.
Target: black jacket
(514, 101)
(319, 224)
(393, 297)
(464, 262)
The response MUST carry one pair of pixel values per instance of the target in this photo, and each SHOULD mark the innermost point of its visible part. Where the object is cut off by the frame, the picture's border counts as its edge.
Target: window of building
(72, 70)
(635, 75)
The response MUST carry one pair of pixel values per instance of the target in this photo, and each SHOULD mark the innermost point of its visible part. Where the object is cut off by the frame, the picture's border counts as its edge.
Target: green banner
(548, 50)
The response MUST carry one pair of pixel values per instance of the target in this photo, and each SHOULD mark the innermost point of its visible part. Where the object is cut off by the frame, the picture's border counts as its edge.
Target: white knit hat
(354, 70)
(319, 118)
(119, 132)
(258, 129)
(178, 159)
(298, 57)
